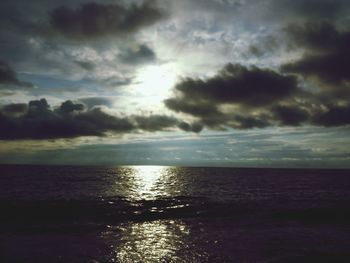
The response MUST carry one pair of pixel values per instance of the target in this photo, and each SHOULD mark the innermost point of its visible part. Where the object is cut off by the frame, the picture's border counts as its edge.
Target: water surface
(173, 214)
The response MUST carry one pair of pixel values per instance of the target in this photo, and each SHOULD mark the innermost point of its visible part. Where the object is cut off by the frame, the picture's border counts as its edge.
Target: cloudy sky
(188, 82)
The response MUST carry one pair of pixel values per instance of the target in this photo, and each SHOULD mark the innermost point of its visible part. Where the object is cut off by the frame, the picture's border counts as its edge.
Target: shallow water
(173, 214)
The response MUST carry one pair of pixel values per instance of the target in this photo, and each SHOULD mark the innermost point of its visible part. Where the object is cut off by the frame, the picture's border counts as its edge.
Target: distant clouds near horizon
(113, 70)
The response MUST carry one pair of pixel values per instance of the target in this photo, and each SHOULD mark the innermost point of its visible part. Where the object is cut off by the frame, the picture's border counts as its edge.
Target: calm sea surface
(173, 214)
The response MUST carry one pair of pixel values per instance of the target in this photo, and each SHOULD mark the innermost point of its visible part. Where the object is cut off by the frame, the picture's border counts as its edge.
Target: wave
(82, 215)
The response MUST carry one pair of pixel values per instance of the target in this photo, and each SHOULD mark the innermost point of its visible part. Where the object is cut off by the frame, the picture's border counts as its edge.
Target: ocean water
(173, 214)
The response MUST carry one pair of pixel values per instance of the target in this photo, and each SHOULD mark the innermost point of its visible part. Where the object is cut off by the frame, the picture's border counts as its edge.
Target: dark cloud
(315, 36)
(249, 122)
(14, 108)
(18, 16)
(310, 9)
(103, 122)
(155, 122)
(317, 8)
(290, 116)
(138, 55)
(326, 56)
(206, 111)
(39, 105)
(41, 122)
(192, 107)
(93, 20)
(333, 116)
(37, 120)
(69, 107)
(251, 91)
(194, 127)
(9, 77)
(239, 84)
(232, 99)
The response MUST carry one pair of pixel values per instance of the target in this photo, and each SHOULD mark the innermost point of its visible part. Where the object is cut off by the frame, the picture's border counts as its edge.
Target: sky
(243, 83)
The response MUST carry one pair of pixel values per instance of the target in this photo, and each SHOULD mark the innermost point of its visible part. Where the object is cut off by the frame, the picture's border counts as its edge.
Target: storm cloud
(251, 91)
(244, 98)
(250, 86)
(8, 77)
(14, 109)
(290, 116)
(194, 127)
(37, 120)
(333, 116)
(310, 9)
(67, 121)
(93, 20)
(326, 55)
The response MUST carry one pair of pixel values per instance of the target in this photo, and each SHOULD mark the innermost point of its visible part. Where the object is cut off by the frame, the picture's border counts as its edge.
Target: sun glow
(156, 82)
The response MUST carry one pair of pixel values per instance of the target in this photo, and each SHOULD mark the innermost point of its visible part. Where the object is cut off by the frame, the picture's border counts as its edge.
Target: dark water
(172, 214)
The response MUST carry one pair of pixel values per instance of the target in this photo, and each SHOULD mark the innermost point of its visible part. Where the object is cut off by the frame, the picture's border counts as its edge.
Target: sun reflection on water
(146, 179)
(144, 183)
(154, 241)
(137, 183)
(152, 189)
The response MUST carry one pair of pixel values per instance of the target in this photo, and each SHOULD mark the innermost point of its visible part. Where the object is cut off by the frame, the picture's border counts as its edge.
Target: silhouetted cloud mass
(92, 20)
(9, 77)
(327, 52)
(37, 120)
(239, 84)
(192, 107)
(251, 92)
(310, 9)
(69, 107)
(243, 98)
(194, 127)
(333, 116)
(67, 121)
(14, 108)
(155, 122)
(288, 115)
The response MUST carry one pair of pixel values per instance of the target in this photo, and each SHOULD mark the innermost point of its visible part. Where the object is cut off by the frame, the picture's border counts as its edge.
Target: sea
(173, 214)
